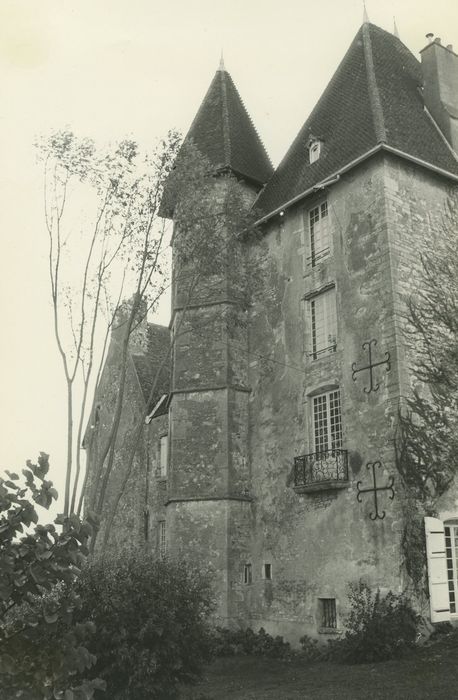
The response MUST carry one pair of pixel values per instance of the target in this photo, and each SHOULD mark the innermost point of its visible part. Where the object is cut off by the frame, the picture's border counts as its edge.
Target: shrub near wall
(378, 627)
(151, 618)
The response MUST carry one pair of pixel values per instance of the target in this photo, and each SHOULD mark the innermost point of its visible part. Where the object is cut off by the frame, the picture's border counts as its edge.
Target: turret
(209, 497)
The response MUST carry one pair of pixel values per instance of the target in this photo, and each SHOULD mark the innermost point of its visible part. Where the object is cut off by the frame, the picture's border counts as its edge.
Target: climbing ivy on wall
(427, 438)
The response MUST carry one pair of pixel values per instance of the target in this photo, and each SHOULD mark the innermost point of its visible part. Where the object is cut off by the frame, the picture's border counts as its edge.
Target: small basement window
(267, 572)
(247, 574)
(328, 613)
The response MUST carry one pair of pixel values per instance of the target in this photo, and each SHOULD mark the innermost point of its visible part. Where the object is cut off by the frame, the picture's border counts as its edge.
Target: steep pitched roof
(223, 132)
(373, 98)
(148, 364)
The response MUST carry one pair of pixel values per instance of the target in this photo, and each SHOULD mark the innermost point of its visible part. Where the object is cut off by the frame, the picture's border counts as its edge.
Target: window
(323, 323)
(247, 574)
(163, 455)
(314, 151)
(319, 233)
(162, 541)
(328, 613)
(267, 572)
(451, 554)
(327, 422)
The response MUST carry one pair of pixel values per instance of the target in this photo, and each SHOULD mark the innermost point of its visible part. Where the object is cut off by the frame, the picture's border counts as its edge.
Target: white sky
(112, 68)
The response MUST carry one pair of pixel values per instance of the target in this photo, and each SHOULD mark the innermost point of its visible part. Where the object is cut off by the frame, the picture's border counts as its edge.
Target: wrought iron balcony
(328, 469)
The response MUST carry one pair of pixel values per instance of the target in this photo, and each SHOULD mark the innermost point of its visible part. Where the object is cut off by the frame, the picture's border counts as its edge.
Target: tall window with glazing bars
(327, 422)
(319, 233)
(323, 318)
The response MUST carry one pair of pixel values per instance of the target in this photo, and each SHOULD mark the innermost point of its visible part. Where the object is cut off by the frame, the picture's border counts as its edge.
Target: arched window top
(314, 149)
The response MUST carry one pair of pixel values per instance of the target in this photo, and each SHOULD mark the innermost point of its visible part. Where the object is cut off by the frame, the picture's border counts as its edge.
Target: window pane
(324, 323)
(451, 534)
(163, 449)
(327, 421)
(320, 423)
(319, 233)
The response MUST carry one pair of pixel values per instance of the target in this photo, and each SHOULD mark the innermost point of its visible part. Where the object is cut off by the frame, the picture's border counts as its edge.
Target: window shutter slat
(437, 570)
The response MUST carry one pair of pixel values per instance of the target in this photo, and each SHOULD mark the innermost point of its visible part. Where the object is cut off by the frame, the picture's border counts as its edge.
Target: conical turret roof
(373, 99)
(224, 133)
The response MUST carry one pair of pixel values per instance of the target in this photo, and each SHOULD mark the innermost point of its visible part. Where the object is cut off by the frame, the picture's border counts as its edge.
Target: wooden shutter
(437, 570)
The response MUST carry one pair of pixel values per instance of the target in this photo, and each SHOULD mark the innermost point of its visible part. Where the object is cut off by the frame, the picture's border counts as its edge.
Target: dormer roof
(373, 99)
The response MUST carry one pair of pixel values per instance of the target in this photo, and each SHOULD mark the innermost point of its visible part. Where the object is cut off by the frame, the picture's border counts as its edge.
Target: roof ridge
(225, 112)
(374, 94)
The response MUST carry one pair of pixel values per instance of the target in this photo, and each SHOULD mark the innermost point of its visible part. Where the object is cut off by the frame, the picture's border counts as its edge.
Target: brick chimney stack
(440, 87)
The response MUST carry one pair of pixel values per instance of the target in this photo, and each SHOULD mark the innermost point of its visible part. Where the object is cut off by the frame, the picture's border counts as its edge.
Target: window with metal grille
(319, 233)
(328, 613)
(267, 572)
(451, 553)
(163, 455)
(162, 539)
(327, 421)
(247, 574)
(324, 323)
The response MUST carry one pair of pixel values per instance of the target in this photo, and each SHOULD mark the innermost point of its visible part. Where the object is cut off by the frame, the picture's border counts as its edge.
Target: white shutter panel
(437, 570)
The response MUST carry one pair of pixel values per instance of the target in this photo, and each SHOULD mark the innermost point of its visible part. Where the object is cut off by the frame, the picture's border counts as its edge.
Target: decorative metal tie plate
(370, 366)
(375, 489)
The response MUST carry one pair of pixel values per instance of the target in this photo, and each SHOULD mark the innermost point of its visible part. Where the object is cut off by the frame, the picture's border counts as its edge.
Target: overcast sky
(112, 68)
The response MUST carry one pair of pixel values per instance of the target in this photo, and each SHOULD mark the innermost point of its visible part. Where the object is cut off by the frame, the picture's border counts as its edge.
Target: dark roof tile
(148, 364)
(224, 133)
(373, 98)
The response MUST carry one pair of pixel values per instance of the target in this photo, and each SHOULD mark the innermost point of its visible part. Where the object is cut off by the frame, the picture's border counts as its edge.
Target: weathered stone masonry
(247, 383)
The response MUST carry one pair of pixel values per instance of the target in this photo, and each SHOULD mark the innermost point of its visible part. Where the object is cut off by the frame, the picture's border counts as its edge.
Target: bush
(228, 642)
(312, 650)
(378, 628)
(42, 653)
(151, 619)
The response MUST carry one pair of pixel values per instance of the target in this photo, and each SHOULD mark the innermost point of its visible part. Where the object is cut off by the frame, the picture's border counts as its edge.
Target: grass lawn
(429, 674)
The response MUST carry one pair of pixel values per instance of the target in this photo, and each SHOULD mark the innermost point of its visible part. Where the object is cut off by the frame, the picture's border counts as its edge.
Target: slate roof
(223, 132)
(147, 365)
(373, 98)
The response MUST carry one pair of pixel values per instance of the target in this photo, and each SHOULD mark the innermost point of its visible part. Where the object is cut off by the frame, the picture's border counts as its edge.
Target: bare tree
(210, 212)
(119, 248)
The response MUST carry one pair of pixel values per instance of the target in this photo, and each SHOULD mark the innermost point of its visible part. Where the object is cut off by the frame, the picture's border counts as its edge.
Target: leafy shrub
(312, 650)
(227, 642)
(42, 654)
(151, 619)
(378, 628)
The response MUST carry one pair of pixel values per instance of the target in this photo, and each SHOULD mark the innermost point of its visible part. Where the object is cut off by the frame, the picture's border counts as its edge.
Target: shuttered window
(323, 319)
(319, 233)
(438, 579)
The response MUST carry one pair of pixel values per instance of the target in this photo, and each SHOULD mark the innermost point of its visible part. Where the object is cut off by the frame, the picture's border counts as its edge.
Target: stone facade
(251, 391)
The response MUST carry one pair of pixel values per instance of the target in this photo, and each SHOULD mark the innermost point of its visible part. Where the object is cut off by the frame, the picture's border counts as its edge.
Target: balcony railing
(317, 468)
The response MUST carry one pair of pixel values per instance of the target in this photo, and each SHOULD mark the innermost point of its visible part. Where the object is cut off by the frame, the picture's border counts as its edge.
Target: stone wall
(318, 542)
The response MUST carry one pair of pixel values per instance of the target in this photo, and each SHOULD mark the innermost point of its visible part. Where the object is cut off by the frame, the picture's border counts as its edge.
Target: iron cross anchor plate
(375, 489)
(370, 366)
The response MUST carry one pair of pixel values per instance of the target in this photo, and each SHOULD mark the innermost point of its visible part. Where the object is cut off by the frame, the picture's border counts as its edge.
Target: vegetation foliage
(378, 627)
(427, 443)
(37, 660)
(242, 642)
(152, 625)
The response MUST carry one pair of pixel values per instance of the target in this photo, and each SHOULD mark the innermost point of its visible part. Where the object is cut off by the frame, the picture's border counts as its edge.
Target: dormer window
(314, 150)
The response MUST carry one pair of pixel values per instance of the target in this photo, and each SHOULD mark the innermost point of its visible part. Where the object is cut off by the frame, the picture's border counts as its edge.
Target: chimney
(439, 65)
